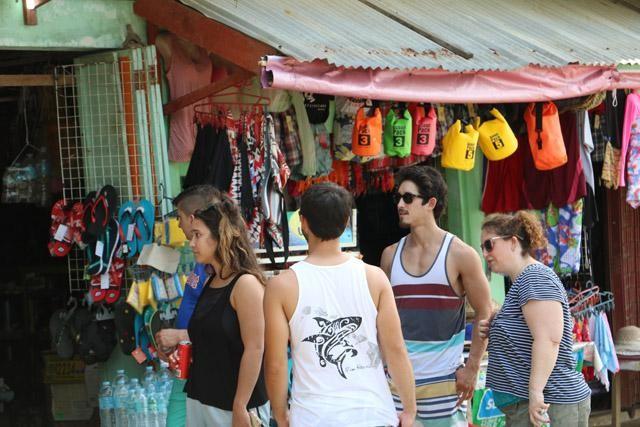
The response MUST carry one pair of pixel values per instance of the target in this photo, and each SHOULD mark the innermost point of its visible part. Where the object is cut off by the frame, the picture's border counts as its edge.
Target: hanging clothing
(276, 173)
(307, 140)
(601, 335)
(599, 135)
(246, 151)
(503, 188)
(562, 185)
(563, 229)
(286, 135)
(614, 111)
(585, 139)
(184, 76)
(630, 151)
(211, 162)
(202, 153)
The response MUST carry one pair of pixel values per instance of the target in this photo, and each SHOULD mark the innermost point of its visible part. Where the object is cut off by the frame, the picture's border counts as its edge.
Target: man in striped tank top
(433, 273)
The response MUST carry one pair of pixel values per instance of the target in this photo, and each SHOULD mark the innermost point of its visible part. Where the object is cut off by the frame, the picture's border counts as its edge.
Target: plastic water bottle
(131, 403)
(140, 403)
(162, 409)
(121, 397)
(120, 375)
(164, 374)
(152, 406)
(165, 381)
(107, 405)
(149, 376)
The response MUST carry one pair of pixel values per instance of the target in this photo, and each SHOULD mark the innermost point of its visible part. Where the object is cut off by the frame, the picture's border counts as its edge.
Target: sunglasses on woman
(488, 244)
(407, 198)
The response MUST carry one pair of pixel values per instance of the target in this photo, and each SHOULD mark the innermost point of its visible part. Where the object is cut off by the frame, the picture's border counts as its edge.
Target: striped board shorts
(436, 401)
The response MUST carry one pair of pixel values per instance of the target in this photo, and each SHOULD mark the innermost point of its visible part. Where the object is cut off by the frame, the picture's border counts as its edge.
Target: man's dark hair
(196, 197)
(430, 184)
(327, 209)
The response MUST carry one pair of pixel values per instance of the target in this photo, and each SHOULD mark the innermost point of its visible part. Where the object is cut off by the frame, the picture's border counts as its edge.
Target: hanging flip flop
(127, 229)
(104, 208)
(77, 223)
(87, 204)
(98, 293)
(100, 253)
(144, 218)
(116, 276)
(125, 319)
(112, 243)
(61, 230)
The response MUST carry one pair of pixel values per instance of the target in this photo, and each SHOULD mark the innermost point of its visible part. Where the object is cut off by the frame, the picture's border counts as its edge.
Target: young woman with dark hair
(227, 327)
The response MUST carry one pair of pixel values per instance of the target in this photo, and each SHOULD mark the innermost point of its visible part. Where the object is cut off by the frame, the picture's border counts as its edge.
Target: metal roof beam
(216, 38)
(434, 38)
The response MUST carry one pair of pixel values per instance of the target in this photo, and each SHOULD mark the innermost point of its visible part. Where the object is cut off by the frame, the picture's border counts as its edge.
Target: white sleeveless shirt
(338, 375)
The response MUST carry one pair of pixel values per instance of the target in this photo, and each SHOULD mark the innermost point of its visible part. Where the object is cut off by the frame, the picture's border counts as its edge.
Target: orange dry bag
(545, 136)
(367, 133)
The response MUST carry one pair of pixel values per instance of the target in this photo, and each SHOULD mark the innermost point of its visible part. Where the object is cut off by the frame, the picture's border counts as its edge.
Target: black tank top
(217, 349)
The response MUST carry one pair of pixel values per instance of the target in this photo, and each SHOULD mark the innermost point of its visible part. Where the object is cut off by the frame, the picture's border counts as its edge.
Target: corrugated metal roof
(410, 34)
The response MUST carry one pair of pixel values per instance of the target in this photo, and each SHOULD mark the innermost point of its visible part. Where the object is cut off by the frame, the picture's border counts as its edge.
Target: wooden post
(615, 400)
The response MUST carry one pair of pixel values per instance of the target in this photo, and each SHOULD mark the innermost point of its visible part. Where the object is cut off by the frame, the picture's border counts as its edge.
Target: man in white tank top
(339, 316)
(432, 274)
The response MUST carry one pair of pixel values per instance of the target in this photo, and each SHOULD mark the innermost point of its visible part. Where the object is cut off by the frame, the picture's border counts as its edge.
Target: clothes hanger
(257, 101)
(27, 144)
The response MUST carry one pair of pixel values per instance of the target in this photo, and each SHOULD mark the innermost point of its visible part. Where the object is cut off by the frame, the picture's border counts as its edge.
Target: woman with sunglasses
(227, 326)
(531, 369)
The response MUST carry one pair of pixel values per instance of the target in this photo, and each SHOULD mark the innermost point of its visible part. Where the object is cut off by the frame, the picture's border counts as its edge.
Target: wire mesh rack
(111, 131)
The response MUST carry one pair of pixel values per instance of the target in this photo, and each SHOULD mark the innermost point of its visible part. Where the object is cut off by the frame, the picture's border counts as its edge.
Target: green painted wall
(69, 25)
(464, 214)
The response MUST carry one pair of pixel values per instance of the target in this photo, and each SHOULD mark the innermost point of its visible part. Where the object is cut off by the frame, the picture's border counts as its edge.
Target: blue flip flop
(144, 219)
(127, 238)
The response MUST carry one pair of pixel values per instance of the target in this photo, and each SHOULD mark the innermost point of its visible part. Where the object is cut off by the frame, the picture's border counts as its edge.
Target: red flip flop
(61, 230)
(97, 293)
(77, 223)
(116, 276)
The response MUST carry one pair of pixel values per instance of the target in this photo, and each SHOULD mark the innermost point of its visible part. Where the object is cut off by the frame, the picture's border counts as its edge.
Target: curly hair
(522, 224)
(234, 250)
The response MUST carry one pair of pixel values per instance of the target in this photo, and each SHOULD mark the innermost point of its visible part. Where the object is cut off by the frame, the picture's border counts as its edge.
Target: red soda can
(184, 360)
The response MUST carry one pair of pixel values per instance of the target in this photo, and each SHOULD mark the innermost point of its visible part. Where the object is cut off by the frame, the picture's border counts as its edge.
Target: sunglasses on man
(488, 244)
(407, 198)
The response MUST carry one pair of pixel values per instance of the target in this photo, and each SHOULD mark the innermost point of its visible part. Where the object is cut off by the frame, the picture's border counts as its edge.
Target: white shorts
(201, 415)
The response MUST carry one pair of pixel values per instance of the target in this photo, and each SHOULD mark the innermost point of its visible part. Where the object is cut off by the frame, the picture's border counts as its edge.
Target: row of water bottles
(130, 403)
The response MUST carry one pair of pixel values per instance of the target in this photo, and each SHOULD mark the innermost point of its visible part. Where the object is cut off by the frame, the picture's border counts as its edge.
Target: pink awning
(528, 84)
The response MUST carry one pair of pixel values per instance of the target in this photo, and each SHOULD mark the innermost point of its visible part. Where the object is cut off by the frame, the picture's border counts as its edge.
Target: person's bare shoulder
(281, 282)
(247, 286)
(460, 252)
(377, 282)
(386, 259)
(283, 285)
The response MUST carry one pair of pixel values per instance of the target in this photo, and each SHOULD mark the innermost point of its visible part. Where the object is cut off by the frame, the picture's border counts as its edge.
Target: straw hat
(628, 339)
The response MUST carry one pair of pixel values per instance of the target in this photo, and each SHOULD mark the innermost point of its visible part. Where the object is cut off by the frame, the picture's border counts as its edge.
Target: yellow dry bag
(497, 140)
(459, 148)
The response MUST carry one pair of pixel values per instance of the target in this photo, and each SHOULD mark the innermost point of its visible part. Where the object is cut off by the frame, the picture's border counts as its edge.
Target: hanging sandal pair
(136, 226)
(106, 287)
(67, 227)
